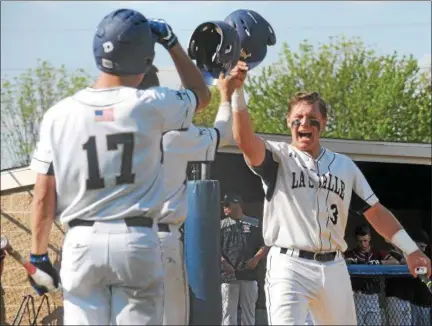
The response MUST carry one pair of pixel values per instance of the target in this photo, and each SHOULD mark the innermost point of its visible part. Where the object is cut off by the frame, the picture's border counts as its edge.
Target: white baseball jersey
(308, 201)
(104, 147)
(180, 147)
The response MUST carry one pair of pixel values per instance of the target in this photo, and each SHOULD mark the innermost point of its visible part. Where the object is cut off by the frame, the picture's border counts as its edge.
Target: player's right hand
(163, 33)
(418, 259)
(228, 84)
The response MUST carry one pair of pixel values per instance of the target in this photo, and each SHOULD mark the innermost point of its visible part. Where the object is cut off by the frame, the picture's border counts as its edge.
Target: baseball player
(99, 171)
(308, 193)
(197, 144)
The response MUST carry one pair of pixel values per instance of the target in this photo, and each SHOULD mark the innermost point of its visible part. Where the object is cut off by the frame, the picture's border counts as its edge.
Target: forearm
(386, 225)
(262, 252)
(43, 212)
(190, 75)
(251, 145)
(223, 123)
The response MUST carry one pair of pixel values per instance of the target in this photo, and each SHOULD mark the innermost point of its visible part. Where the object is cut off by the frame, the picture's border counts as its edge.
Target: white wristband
(238, 100)
(402, 240)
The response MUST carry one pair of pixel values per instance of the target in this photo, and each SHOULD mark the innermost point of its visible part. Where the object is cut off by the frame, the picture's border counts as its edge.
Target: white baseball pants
(176, 288)
(294, 285)
(112, 275)
(238, 292)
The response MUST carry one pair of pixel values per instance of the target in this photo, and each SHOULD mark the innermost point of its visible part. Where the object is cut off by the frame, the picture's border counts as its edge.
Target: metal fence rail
(391, 296)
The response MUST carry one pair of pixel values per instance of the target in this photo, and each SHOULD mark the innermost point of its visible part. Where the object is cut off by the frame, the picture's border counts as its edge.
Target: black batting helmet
(123, 43)
(215, 46)
(255, 35)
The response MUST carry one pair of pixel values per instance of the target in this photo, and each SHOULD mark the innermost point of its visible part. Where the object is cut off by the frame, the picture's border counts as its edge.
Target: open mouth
(305, 135)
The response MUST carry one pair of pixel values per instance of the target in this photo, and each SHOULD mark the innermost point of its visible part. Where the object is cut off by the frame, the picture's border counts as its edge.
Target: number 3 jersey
(308, 201)
(104, 147)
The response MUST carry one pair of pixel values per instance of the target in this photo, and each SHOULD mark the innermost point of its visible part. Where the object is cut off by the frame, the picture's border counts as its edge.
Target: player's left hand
(163, 33)
(252, 263)
(418, 259)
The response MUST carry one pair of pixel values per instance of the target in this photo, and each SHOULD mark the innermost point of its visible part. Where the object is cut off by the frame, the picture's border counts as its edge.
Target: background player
(99, 165)
(197, 144)
(308, 193)
(242, 248)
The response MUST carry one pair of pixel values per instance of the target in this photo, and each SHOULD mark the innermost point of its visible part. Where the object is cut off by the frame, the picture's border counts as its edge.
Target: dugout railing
(383, 308)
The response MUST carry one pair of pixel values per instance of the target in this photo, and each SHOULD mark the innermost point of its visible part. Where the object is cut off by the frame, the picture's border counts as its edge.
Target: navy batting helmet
(123, 43)
(255, 35)
(215, 46)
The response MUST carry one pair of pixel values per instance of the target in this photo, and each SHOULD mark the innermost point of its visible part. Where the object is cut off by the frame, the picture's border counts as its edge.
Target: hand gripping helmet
(215, 46)
(123, 43)
(255, 35)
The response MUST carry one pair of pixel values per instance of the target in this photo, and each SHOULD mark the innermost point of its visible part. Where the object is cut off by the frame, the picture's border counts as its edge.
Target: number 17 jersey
(308, 200)
(104, 147)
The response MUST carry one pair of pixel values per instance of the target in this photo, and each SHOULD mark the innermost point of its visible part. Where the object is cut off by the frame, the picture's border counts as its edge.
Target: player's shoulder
(253, 221)
(339, 158)
(59, 110)
(227, 222)
(166, 95)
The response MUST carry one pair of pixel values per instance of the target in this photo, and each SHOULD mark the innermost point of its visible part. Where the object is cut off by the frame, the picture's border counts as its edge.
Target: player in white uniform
(99, 163)
(197, 144)
(309, 191)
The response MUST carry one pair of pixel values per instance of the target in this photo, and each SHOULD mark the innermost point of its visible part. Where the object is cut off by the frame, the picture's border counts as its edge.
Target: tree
(370, 96)
(206, 117)
(24, 100)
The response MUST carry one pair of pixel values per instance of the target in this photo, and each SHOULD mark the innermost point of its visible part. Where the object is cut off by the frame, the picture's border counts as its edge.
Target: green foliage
(206, 117)
(370, 96)
(25, 98)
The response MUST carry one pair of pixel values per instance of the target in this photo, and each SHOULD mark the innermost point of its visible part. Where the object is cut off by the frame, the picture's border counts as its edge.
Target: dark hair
(362, 230)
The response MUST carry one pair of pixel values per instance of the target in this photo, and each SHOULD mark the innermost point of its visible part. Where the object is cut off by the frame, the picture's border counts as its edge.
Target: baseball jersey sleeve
(177, 107)
(268, 169)
(42, 161)
(195, 144)
(362, 197)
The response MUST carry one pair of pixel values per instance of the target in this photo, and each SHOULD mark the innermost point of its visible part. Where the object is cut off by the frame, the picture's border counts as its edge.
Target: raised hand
(163, 33)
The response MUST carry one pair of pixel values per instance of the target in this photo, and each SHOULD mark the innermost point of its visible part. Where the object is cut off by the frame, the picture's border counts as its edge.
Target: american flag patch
(104, 115)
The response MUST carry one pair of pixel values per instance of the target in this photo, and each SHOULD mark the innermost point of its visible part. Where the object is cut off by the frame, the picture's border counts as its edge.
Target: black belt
(318, 256)
(136, 221)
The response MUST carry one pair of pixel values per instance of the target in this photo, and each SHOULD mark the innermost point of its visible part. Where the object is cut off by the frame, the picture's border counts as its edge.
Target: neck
(110, 81)
(236, 217)
(314, 152)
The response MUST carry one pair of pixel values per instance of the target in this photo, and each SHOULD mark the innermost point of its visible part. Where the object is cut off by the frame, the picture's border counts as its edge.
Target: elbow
(204, 97)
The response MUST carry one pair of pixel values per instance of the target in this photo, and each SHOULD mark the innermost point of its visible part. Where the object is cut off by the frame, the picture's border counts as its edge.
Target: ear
(324, 125)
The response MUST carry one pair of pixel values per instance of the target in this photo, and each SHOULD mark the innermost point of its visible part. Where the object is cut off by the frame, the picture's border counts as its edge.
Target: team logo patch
(246, 228)
(104, 115)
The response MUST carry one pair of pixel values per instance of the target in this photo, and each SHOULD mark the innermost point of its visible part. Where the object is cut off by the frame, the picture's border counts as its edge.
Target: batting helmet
(123, 43)
(215, 46)
(255, 35)
(150, 79)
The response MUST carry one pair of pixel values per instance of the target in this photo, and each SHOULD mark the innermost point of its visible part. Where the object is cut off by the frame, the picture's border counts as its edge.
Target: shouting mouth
(305, 135)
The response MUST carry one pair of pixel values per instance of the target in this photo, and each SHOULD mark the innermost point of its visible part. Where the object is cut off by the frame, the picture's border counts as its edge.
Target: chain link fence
(389, 295)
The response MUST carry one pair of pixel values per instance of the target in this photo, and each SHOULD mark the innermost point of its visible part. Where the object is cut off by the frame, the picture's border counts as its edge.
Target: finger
(221, 75)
